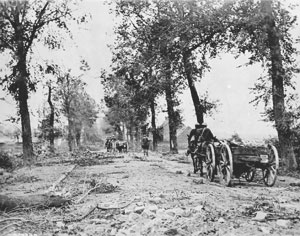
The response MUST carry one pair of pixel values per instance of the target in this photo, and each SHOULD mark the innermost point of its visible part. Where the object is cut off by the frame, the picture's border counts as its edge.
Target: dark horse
(198, 140)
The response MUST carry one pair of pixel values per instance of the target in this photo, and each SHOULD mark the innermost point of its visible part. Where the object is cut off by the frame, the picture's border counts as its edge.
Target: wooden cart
(242, 161)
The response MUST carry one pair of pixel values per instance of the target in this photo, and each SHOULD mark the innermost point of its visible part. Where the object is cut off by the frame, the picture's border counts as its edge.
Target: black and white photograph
(150, 117)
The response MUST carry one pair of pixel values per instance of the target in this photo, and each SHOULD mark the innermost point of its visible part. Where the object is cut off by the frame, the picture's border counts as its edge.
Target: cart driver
(202, 135)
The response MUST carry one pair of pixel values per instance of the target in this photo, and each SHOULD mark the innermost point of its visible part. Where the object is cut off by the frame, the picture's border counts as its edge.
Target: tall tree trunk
(153, 125)
(23, 106)
(172, 119)
(22, 96)
(78, 137)
(51, 119)
(137, 136)
(131, 137)
(277, 75)
(196, 101)
(25, 121)
(70, 134)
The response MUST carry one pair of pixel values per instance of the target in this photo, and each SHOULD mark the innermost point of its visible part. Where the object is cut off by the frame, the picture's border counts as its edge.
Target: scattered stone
(161, 214)
(148, 214)
(152, 208)
(125, 177)
(295, 184)
(170, 212)
(134, 217)
(171, 232)
(260, 216)
(113, 231)
(187, 213)
(265, 230)
(283, 200)
(175, 211)
(155, 200)
(139, 209)
(140, 204)
(128, 211)
(137, 198)
(60, 224)
(199, 208)
(283, 223)
(221, 220)
(198, 181)
(189, 174)
(123, 218)
(179, 172)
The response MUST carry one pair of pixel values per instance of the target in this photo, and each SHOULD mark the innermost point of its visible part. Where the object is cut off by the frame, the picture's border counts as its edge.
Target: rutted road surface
(159, 195)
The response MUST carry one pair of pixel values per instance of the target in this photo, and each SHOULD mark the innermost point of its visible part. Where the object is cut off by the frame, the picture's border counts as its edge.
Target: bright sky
(224, 82)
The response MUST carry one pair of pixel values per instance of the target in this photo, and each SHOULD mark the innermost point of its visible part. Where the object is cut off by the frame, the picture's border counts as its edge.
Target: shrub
(6, 160)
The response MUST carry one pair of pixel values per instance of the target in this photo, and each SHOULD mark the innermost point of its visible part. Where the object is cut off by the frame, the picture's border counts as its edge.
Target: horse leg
(194, 163)
(201, 168)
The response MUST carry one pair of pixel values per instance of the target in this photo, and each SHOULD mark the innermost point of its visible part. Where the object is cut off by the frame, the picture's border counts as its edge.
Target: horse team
(113, 145)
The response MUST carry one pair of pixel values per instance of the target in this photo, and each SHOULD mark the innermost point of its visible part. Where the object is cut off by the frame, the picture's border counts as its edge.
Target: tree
(143, 31)
(78, 107)
(136, 48)
(21, 24)
(195, 31)
(266, 35)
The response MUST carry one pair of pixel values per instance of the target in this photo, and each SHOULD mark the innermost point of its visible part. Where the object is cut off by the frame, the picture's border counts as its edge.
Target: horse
(122, 146)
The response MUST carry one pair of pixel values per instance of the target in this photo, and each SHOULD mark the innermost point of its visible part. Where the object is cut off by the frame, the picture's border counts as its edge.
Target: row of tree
(165, 46)
(25, 25)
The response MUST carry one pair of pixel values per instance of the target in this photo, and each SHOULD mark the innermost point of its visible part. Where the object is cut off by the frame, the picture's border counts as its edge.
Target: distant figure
(113, 144)
(108, 144)
(145, 145)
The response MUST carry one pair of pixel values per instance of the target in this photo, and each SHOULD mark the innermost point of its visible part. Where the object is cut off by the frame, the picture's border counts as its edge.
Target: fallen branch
(114, 208)
(87, 193)
(99, 208)
(274, 216)
(7, 226)
(10, 219)
(40, 201)
(65, 175)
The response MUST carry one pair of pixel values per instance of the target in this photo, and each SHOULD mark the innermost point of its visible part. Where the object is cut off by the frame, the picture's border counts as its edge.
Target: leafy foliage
(76, 105)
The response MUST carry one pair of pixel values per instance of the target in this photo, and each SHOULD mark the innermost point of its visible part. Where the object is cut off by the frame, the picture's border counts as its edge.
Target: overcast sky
(225, 82)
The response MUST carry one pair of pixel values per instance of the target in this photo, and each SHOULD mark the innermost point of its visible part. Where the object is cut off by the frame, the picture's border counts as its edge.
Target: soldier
(197, 141)
(145, 145)
(200, 135)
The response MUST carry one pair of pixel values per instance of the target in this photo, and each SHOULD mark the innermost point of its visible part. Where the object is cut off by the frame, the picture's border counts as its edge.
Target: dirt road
(157, 195)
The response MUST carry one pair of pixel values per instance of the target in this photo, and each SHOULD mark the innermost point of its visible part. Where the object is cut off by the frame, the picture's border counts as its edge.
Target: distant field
(11, 147)
(17, 147)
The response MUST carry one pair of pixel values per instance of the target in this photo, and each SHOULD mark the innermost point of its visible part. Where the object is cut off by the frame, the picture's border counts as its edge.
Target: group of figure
(113, 145)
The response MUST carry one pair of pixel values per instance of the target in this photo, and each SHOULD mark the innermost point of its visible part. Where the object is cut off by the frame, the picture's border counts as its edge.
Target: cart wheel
(210, 161)
(225, 166)
(270, 173)
(250, 175)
